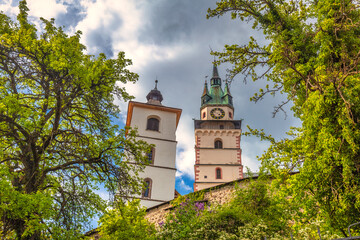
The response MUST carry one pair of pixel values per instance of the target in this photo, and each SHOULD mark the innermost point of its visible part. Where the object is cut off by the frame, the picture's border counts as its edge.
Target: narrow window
(151, 156)
(230, 115)
(218, 173)
(152, 124)
(147, 188)
(218, 144)
(204, 114)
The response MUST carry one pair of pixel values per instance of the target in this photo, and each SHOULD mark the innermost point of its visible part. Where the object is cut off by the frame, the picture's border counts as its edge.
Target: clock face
(217, 113)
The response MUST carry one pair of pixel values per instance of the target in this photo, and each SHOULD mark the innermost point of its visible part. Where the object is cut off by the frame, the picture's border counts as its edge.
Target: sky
(169, 40)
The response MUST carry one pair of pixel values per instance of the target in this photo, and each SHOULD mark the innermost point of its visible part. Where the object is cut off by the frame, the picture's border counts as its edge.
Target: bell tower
(217, 137)
(156, 125)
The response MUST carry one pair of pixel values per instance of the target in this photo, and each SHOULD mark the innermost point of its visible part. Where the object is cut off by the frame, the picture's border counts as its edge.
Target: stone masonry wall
(220, 194)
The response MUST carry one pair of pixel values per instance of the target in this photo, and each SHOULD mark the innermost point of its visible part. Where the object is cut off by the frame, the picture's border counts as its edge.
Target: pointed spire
(215, 80)
(227, 89)
(215, 72)
(154, 96)
(206, 91)
(227, 98)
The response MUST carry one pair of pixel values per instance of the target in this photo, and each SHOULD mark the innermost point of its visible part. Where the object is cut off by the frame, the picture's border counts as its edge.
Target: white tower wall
(161, 171)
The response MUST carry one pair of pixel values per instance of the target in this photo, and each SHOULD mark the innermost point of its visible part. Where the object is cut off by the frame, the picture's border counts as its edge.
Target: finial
(156, 82)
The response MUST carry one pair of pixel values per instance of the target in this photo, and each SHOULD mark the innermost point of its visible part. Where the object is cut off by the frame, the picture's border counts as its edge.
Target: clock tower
(217, 137)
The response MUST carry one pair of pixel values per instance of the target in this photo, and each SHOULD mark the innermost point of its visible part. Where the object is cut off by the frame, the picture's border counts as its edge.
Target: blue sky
(169, 40)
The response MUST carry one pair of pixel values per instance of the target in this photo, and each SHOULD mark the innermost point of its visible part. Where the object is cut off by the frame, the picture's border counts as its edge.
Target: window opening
(218, 173)
(147, 190)
(152, 124)
(151, 156)
(218, 144)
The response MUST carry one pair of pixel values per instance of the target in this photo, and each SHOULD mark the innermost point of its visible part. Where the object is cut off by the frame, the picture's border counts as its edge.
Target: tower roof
(154, 96)
(215, 95)
(215, 71)
(206, 91)
(215, 79)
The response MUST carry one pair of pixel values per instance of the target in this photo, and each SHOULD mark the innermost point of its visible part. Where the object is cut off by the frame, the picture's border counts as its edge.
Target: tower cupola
(154, 96)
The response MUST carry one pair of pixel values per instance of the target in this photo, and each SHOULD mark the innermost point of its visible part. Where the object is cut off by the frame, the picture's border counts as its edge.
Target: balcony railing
(217, 124)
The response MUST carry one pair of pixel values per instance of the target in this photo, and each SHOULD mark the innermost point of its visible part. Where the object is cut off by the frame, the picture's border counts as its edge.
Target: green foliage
(254, 213)
(184, 219)
(57, 141)
(312, 56)
(126, 221)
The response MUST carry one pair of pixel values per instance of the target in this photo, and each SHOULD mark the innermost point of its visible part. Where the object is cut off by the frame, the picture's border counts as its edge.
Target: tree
(57, 140)
(312, 56)
(126, 221)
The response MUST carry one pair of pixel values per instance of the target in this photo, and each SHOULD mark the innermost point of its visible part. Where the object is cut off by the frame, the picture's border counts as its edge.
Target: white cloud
(185, 157)
(9, 10)
(45, 8)
(252, 147)
(122, 21)
(185, 188)
(250, 163)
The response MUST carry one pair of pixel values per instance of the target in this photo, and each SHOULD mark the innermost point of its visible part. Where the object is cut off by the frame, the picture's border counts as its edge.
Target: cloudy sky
(169, 40)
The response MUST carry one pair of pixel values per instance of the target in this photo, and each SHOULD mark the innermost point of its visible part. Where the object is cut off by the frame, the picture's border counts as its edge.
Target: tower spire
(205, 97)
(215, 72)
(227, 89)
(206, 91)
(215, 80)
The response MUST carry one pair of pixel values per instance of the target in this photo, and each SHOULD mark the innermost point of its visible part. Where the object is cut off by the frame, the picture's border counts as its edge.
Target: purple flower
(200, 206)
(161, 223)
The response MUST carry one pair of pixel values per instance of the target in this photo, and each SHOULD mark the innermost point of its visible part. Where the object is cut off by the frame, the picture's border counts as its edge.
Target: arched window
(151, 156)
(204, 114)
(153, 124)
(218, 173)
(230, 115)
(218, 144)
(147, 188)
